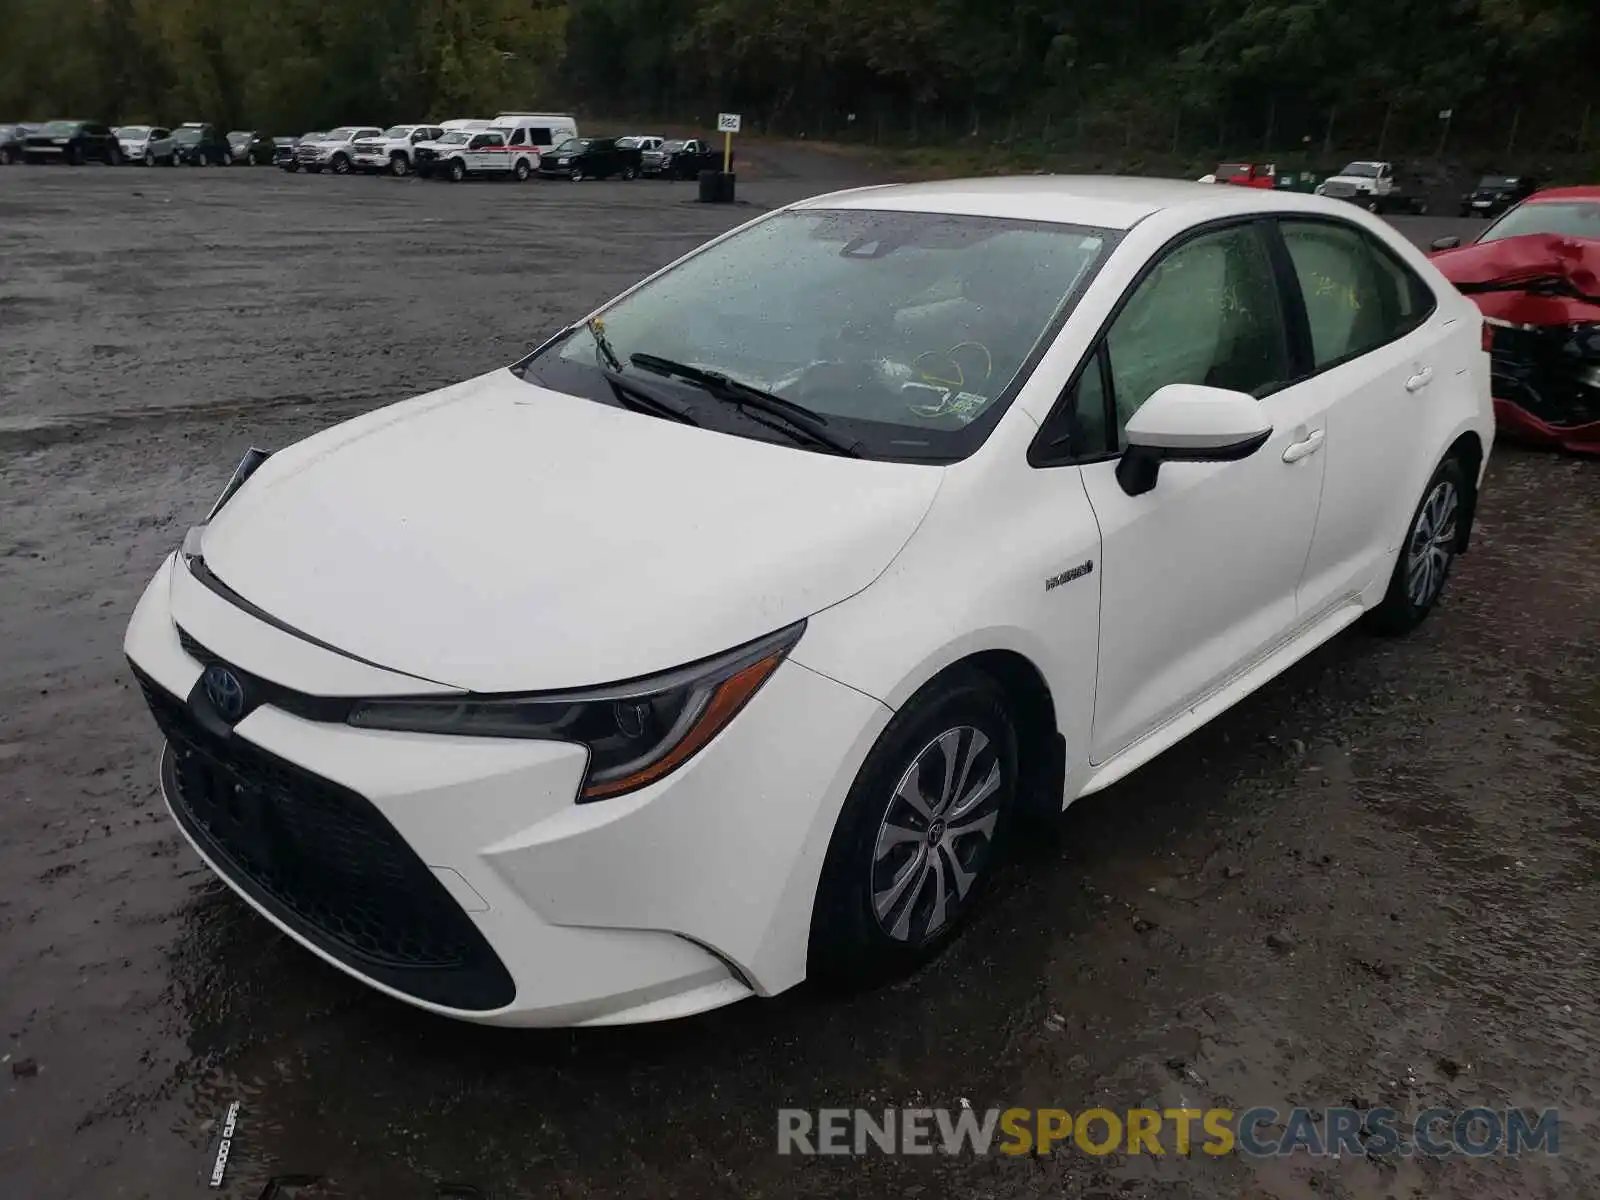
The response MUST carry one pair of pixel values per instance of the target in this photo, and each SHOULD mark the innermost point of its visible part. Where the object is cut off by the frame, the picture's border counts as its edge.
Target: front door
(1198, 575)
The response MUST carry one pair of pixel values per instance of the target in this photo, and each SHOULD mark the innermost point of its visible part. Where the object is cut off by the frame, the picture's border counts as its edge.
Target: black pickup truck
(680, 159)
(578, 159)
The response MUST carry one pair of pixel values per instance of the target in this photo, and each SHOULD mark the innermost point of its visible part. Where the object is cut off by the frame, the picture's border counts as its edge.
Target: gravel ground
(1373, 882)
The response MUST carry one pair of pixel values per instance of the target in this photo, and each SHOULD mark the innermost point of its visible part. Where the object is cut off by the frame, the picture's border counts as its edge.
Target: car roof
(1101, 201)
(1583, 192)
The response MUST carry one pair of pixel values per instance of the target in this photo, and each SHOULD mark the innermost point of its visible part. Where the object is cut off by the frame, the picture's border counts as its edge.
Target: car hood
(497, 536)
(1353, 180)
(1538, 279)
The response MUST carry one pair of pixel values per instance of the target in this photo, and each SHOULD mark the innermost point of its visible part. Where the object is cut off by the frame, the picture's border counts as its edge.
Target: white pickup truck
(1372, 185)
(458, 153)
(393, 149)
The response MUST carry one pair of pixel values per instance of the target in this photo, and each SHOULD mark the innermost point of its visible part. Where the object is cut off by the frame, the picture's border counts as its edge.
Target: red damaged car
(1535, 274)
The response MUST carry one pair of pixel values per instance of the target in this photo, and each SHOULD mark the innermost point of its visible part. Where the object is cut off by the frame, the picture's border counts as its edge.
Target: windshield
(455, 137)
(314, 136)
(59, 128)
(1497, 182)
(342, 134)
(1577, 218)
(238, 137)
(673, 146)
(186, 136)
(134, 133)
(904, 330)
(1364, 169)
(573, 144)
(628, 143)
(396, 131)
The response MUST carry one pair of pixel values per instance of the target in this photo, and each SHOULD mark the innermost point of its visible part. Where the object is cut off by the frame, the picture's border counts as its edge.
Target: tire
(74, 156)
(227, 159)
(149, 159)
(340, 164)
(7, 156)
(293, 168)
(458, 170)
(114, 157)
(399, 166)
(1432, 541)
(627, 174)
(878, 910)
(521, 171)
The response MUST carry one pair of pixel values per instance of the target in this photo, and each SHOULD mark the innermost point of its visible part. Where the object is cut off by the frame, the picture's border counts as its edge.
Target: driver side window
(1207, 313)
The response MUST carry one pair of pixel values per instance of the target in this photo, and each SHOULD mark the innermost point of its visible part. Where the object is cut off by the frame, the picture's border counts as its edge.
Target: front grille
(321, 859)
(1342, 191)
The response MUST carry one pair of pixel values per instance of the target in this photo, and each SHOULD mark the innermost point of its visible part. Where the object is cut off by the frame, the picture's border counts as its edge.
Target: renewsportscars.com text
(1257, 1132)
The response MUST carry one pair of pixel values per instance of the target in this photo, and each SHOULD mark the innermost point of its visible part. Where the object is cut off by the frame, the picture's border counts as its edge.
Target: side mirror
(1185, 422)
(1444, 243)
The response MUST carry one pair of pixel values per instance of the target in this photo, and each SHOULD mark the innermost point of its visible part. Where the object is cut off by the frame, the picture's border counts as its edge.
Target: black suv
(250, 148)
(200, 145)
(1496, 193)
(72, 142)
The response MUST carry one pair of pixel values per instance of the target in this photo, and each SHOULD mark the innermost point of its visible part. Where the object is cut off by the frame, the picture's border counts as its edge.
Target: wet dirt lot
(1375, 882)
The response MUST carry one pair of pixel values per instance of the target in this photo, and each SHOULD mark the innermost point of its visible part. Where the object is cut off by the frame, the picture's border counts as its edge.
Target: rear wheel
(1426, 556)
(916, 841)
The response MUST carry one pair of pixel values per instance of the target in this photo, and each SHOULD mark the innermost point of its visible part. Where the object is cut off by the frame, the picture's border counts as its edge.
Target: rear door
(1378, 347)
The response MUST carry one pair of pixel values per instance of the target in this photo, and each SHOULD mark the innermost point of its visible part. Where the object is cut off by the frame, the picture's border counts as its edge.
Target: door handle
(1304, 449)
(1420, 380)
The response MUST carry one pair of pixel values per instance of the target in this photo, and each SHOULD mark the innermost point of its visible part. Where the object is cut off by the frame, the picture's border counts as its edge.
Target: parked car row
(194, 143)
(514, 145)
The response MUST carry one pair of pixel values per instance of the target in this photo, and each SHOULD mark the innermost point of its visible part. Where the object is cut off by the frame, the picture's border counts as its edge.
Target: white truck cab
(1362, 180)
(393, 149)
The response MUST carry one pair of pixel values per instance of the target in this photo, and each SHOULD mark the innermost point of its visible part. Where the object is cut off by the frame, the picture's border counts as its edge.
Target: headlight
(1321, 189)
(636, 733)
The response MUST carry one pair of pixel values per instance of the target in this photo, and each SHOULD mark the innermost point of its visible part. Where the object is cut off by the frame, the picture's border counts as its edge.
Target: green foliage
(1169, 77)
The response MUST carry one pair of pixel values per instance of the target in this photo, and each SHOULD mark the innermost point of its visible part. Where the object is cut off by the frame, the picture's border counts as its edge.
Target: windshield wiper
(602, 344)
(630, 395)
(798, 418)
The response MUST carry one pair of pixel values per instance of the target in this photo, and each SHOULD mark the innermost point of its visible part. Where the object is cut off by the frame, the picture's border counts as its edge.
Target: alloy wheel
(936, 835)
(1432, 544)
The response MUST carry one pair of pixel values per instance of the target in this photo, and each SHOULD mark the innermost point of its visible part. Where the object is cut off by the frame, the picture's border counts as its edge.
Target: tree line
(1248, 74)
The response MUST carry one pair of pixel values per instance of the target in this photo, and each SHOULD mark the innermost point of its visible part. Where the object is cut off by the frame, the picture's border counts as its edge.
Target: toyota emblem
(225, 692)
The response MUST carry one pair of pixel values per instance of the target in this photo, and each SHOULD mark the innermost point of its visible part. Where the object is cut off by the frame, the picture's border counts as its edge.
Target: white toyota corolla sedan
(720, 641)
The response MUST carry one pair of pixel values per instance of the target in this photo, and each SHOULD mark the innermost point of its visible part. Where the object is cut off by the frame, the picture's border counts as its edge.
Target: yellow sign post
(727, 125)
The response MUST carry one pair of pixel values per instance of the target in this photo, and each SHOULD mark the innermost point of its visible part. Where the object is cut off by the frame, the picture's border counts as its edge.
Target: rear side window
(540, 137)
(1358, 296)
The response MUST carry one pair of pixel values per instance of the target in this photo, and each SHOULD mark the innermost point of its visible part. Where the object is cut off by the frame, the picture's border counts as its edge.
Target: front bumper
(470, 853)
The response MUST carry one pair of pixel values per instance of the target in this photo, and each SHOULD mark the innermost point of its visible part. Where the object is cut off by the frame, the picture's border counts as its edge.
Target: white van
(543, 131)
(468, 124)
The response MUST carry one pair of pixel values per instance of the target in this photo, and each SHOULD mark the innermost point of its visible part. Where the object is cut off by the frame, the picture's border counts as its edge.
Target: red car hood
(1540, 279)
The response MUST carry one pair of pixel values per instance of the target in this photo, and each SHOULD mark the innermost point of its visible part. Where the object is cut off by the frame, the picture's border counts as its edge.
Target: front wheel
(227, 158)
(1432, 542)
(917, 839)
(149, 159)
(522, 170)
(114, 157)
(627, 173)
(398, 166)
(341, 164)
(458, 170)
